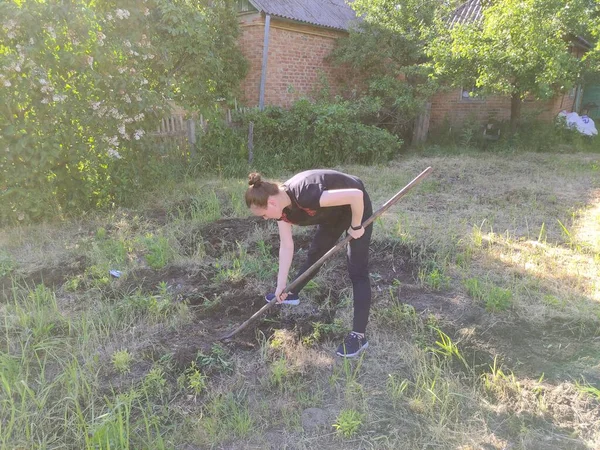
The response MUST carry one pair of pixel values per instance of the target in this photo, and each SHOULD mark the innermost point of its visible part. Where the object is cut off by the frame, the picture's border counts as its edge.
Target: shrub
(82, 85)
(306, 136)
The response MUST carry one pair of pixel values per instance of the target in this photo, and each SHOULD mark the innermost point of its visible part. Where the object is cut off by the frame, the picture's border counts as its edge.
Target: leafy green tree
(519, 48)
(84, 82)
(384, 60)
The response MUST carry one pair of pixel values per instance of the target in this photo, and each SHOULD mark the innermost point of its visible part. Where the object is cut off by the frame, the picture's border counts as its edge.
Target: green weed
(397, 313)
(225, 417)
(159, 251)
(494, 297)
(321, 331)
(155, 383)
(396, 387)
(121, 361)
(500, 383)
(446, 348)
(432, 276)
(193, 379)
(279, 372)
(259, 264)
(585, 388)
(498, 299)
(7, 263)
(217, 360)
(348, 422)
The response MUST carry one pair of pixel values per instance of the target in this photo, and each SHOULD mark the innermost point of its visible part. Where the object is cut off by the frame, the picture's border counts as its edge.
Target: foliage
(532, 135)
(121, 360)
(7, 263)
(82, 85)
(348, 422)
(383, 59)
(320, 134)
(519, 48)
(217, 360)
(494, 297)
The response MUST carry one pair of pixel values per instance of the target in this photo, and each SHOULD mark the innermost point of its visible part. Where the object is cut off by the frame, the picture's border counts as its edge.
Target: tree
(519, 48)
(83, 82)
(384, 60)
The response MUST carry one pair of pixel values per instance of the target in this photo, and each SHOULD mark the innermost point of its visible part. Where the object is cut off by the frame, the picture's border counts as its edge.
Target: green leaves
(520, 47)
(84, 84)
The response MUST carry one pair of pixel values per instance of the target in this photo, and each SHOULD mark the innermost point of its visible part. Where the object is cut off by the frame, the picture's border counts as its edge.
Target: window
(244, 6)
(471, 94)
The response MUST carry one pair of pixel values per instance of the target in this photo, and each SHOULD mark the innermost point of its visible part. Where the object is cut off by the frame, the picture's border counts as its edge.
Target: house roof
(470, 11)
(325, 13)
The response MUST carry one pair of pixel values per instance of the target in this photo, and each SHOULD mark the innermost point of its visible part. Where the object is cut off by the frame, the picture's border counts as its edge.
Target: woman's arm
(286, 254)
(352, 197)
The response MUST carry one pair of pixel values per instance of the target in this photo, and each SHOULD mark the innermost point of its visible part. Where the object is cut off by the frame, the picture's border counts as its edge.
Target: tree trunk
(515, 111)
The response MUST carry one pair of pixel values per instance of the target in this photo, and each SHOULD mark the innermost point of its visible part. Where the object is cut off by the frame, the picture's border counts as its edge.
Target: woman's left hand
(356, 234)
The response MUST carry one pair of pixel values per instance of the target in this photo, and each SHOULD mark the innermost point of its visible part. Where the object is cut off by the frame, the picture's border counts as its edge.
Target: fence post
(421, 127)
(250, 142)
(191, 129)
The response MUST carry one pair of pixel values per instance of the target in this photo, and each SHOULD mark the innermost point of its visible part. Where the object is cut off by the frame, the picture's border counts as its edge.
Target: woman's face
(272, 211)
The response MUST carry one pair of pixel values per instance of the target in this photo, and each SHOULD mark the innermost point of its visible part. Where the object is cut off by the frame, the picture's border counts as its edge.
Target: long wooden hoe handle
(290, 287)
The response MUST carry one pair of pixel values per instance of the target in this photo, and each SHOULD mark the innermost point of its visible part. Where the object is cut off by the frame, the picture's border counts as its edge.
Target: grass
(483, 330)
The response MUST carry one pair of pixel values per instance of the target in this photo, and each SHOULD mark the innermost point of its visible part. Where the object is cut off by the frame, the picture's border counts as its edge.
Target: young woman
(336, 203)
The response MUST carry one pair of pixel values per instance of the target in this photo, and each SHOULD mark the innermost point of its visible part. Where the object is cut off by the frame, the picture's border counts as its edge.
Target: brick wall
(295, 60)
(450, 108)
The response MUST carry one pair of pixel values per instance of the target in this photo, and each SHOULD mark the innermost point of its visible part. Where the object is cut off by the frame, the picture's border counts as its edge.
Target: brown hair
(259, 191)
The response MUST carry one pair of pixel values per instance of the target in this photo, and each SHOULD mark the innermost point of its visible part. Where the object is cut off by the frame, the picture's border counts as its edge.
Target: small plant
(217, 360)
(348, 422)
(194, 379)
(97, 276)
(498, 299)
(585, 388)
(205, 209)
(396, 386)
(155, 384)
(433, 277)
(7, 264)
(101, 233)
(323, 330)
(474, 288)
(159, 253)
(494, 297)
(226, 416)
(154, 306)
(554, 301)
(569, 237)
(500, 383)
(397, 313)
(446, 348)
(279, 372)
(73, 284)
(121, 360)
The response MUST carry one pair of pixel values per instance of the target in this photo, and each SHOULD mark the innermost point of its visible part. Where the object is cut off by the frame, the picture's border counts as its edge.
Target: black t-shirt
(305, 189)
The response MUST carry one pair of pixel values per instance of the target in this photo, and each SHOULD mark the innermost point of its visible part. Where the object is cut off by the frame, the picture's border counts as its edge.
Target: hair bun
(254, 179)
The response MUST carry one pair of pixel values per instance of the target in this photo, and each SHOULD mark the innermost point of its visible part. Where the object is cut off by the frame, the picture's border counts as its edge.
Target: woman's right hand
(279, 294)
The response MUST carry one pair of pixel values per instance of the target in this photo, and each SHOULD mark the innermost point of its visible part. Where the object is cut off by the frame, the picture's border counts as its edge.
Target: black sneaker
(292, 299)
(352, 346)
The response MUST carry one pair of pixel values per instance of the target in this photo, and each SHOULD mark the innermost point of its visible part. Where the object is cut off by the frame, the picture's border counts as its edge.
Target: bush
(532, 135)
(309, 135)
(83, 83)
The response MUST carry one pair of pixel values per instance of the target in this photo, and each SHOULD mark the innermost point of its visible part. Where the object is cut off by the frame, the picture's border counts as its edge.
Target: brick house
(285, 43)
(458, 105)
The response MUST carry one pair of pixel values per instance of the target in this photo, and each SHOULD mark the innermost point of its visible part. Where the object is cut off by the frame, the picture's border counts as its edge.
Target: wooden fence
(177, 135)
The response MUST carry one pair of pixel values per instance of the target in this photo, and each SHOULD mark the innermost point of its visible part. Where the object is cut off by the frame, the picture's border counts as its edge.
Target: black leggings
(357, 257)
